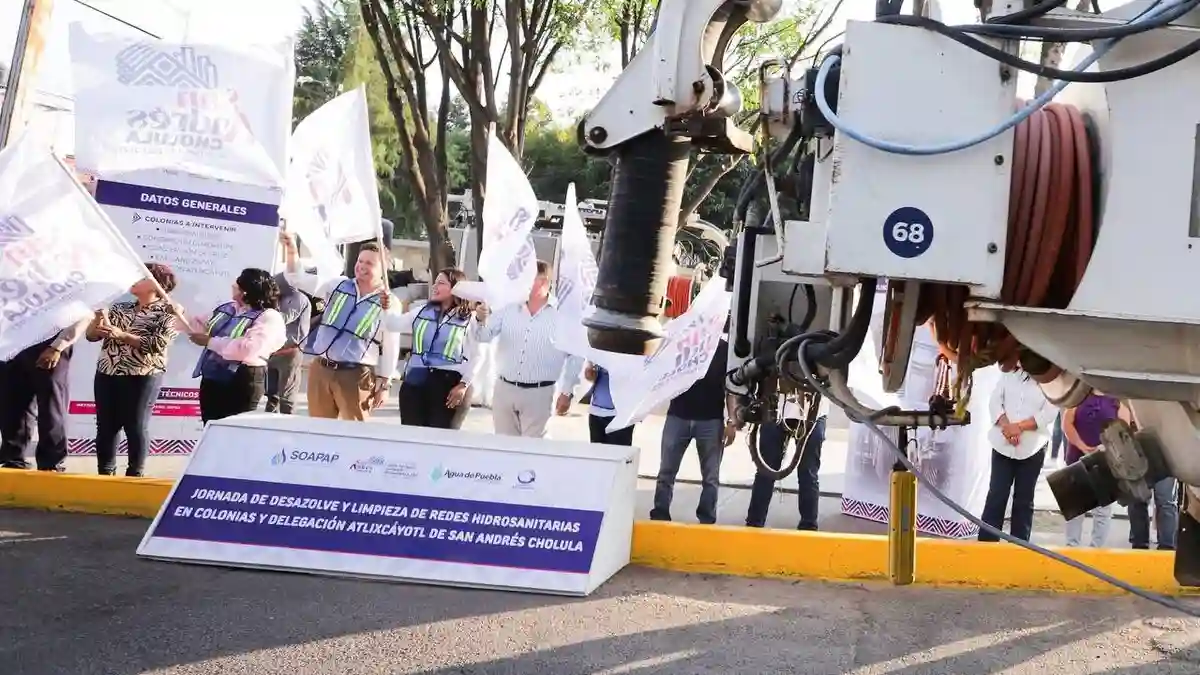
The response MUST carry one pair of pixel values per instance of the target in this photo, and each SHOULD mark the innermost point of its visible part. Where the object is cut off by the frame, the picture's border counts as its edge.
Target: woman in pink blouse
(238, 339)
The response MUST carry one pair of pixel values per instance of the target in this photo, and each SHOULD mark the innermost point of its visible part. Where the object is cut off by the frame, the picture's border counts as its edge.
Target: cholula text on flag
(507, 262)
(682, 358)
(60, 256)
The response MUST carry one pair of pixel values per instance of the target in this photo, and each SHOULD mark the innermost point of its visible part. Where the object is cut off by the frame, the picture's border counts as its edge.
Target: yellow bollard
(902, 527)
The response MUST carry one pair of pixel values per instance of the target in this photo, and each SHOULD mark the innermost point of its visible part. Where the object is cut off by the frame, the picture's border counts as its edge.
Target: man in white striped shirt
(529, 368)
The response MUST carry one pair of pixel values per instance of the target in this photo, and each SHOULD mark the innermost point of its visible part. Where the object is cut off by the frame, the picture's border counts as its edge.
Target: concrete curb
(710, 548)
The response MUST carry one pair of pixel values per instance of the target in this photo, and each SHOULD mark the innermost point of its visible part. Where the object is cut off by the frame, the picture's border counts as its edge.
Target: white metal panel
(917, 87)
(1146, 262)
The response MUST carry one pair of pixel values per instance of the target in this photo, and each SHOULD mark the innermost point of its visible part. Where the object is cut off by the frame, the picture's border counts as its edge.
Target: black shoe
(107, 471)
(15, 465)
(1140, 547)
(658, 515)
(759, 525)
(1162, 547)
(807, 527)
(61, 468)
(134, 473)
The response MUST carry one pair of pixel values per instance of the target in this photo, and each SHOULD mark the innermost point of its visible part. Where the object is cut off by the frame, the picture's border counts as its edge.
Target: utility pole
(22, 72)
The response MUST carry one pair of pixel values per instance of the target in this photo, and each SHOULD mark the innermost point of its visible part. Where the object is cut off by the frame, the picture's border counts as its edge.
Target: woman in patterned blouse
(133, 357)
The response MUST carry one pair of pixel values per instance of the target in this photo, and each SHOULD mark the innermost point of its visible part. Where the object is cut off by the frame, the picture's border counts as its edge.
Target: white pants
(518, 411)
(1101, 519)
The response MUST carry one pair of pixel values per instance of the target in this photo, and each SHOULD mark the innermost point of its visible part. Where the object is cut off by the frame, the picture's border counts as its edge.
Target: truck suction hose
(639, 235)
(825, 348)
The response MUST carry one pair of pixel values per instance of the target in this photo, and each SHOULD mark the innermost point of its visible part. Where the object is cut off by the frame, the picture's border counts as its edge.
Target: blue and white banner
(188, 143)
(425, 505)
(207, 231)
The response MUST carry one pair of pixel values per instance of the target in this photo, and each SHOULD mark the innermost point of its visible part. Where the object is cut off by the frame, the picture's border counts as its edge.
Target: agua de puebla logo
(442, 473)
(29, 285)
(201, 117)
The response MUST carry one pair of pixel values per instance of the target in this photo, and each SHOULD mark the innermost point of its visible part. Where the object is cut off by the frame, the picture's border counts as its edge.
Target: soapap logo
(201, 118)
(526, 479)
(287, 456)
(367, 465)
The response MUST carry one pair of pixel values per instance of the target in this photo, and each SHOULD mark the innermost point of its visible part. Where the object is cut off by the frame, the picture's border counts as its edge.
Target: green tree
(400, 42)
(629, 23)
(324, 47)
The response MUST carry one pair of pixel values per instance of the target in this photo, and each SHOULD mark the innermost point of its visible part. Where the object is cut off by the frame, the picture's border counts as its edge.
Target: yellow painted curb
(104, 495)
(711, 549)
(849, 557)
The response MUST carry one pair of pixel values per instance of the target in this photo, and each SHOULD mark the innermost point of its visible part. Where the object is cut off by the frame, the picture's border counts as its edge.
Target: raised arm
(268, 333)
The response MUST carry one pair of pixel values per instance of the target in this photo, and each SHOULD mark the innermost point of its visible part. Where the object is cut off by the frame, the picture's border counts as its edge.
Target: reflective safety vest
(225, 323)
(438, 339)
(348, 328)
(602, 403)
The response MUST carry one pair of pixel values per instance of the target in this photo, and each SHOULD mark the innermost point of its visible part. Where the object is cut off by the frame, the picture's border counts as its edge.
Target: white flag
(331, 184)
(577, 271)
(219, 111)
(60, 256)
(682, 358)
(508, 260)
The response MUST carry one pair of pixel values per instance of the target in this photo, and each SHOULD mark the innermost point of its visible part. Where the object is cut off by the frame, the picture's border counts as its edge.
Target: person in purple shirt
(1082, 426)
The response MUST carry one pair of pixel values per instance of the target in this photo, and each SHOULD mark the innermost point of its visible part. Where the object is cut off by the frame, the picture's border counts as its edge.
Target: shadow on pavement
(77, 601)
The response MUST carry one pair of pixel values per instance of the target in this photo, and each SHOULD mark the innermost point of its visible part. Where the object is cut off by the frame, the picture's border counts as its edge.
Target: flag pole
(95, 206)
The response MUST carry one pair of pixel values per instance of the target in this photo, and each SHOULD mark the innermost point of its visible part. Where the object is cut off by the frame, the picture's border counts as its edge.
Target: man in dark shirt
(696, 414)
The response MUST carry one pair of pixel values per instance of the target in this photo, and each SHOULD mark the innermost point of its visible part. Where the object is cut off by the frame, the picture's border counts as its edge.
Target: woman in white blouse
(1021, 419)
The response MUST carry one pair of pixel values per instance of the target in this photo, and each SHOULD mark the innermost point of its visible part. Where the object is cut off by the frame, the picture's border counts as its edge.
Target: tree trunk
(703, 190)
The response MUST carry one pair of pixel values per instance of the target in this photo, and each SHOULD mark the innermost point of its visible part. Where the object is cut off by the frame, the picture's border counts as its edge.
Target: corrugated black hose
(636, 256)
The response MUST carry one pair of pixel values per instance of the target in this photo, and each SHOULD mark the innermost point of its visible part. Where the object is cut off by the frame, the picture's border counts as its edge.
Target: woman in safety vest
(437, 379)
(238, 339)
(601, 411)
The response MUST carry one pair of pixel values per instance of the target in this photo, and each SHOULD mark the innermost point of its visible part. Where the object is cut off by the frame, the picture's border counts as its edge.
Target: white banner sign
(641, 385)
(217, 111)
(957, 460)
(60, 257)
(207, 231)
(508, 259)
(402, 503)
(331, 184)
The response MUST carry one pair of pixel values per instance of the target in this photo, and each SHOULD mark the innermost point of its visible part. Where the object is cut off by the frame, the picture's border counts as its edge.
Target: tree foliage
(324, 48)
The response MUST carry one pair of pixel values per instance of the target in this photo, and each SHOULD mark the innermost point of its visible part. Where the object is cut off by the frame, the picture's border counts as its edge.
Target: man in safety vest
(353, 354)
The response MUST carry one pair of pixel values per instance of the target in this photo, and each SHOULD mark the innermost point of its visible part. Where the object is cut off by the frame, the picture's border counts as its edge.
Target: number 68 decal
(908, 232)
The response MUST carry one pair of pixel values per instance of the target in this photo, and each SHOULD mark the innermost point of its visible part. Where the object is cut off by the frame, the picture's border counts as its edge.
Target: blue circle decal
(908, 232)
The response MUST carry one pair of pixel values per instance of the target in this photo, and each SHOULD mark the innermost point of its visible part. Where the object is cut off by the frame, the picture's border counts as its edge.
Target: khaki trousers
(343, 393)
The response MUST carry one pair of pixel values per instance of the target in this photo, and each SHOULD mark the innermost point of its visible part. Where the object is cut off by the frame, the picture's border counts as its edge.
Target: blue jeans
(677, 434)
(1016, 477)
(1166, 517)
(1057, 440)
(772, 445)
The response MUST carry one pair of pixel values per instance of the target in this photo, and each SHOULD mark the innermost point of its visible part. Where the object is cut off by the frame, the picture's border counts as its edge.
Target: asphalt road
(74, 600)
